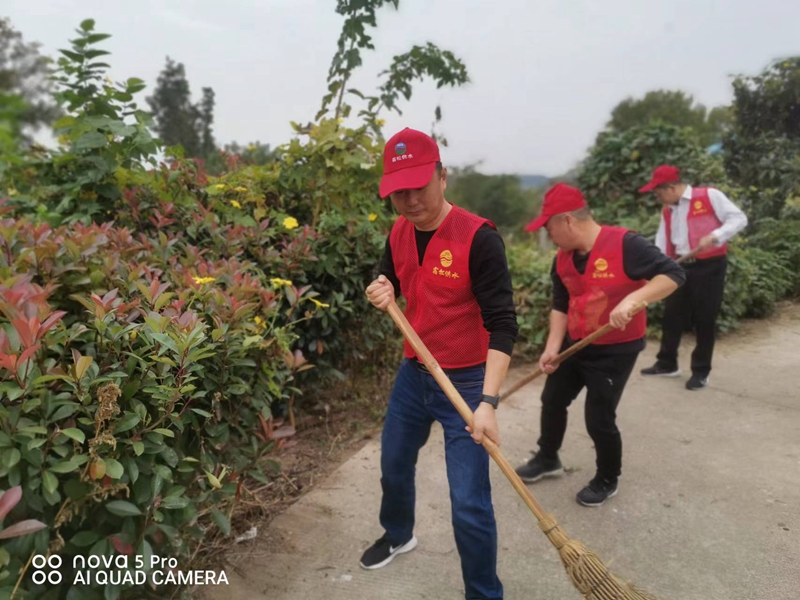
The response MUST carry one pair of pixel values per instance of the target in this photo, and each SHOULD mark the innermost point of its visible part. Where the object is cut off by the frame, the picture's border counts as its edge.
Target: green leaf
(10, 458)
(174, 502)
(121, 508)
(75, 434)
(97, 37)
(84, 539)
(74, 56)
(87, 24)
(202, 412)
(163, 472)
(138, 448)
(50, 482)
(129, 421)
(113, 468)
(165, 432)
(222, 521)
(63, 412)
(92, 139)
(65, 466)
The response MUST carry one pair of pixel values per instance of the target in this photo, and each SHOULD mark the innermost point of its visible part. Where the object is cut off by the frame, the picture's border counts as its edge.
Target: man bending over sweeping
(451, 267)
(600, 274)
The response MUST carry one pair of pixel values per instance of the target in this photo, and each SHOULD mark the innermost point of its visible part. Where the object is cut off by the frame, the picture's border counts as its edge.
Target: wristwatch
(493, 400)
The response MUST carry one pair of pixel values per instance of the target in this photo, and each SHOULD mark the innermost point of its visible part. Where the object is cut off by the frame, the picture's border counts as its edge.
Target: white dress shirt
(732, 218)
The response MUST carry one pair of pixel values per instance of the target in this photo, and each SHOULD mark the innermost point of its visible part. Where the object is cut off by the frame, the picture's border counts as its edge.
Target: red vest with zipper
(603, 285)
(440, 304)
(700, 221)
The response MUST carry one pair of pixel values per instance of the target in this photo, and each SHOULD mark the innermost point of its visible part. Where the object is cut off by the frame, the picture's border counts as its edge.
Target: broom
(587, 572)
(577, 347)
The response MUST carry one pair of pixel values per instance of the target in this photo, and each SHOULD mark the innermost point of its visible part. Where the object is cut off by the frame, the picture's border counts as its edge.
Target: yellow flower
(220, 186)
(319, 304)
(278, 282)
(235, 204)
(202, 280)
(240, 189)
(258, 320)
(134, 334)
(290, 223)
(373, 216)
(12, 192)
(380, 122)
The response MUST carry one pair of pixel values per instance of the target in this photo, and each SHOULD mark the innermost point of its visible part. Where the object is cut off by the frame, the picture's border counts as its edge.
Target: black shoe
(696, 383)
(658, 370)
(539, 467)
(597, 492)
(382, 552)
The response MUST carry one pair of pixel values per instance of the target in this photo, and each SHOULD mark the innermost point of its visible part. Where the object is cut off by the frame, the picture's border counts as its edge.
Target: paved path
(708, 508)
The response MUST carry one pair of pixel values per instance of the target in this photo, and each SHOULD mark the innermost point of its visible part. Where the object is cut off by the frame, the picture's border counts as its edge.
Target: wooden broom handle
(589, 339)
(462, 407)
(691, 254)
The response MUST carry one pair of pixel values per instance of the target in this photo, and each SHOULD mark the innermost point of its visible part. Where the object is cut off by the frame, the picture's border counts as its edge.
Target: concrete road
(708, 508)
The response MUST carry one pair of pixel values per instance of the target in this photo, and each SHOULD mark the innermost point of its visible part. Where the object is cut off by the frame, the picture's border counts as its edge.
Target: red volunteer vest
(440, 304)
(593, 295)
(700, 221)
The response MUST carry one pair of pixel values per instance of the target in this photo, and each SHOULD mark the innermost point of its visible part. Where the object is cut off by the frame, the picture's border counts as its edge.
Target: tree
(178, 121)
(499, 198)
(206, 119)
(674, 108)
(762, 150)
(621, 163)
(24, 73)
(418, 63)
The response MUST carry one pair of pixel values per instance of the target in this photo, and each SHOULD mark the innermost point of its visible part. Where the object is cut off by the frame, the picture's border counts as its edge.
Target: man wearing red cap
(451, 267)
(600, 274)
(702, 219)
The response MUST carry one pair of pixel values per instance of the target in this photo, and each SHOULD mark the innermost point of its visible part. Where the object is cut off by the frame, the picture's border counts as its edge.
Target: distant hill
(533, 181)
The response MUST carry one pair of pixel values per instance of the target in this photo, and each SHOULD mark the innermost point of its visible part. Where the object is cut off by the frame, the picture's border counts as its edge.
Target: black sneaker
(539, 467)
(597, 492)
(696, 383)
(382, 552)
(658, 370)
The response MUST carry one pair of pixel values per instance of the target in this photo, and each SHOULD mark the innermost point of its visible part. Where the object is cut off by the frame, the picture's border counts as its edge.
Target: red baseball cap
(558, 199)
(663, 174)
(409, 160)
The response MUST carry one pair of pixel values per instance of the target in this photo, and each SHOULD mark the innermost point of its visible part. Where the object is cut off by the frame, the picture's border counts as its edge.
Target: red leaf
(50, 322)
(8, 361)
(120, 546)
(22, 528)
(9, 500)
(27, 354)
(23, 327)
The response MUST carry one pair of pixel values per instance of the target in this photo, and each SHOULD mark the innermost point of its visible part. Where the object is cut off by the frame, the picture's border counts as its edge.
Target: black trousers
(604, 376)
(695, 304)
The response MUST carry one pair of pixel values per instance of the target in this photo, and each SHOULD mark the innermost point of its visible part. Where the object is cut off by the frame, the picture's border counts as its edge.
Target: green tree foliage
(179, 122)
(499, 198)
(762, 151)
(24, 74)
(420, 62)
(672, 107)
(620, 163)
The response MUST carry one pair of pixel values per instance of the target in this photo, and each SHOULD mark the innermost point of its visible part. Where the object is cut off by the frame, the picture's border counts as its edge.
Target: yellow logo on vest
(698, 208)
(600, 268)
(446, 258)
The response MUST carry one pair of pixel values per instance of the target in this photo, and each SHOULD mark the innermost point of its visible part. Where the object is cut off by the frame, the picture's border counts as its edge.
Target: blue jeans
(415, 402)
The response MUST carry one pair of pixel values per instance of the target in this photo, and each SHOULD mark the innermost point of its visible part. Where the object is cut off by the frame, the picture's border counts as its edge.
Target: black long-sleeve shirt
(640, 260)
(491, 283)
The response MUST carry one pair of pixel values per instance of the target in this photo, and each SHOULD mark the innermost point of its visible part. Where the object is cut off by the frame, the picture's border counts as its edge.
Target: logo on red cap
(409, 161)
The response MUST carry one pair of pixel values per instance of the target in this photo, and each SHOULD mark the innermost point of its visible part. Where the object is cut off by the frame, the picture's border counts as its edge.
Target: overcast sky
(545, 74)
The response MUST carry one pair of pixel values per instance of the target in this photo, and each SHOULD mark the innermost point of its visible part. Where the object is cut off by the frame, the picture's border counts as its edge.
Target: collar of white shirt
(686, 197)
